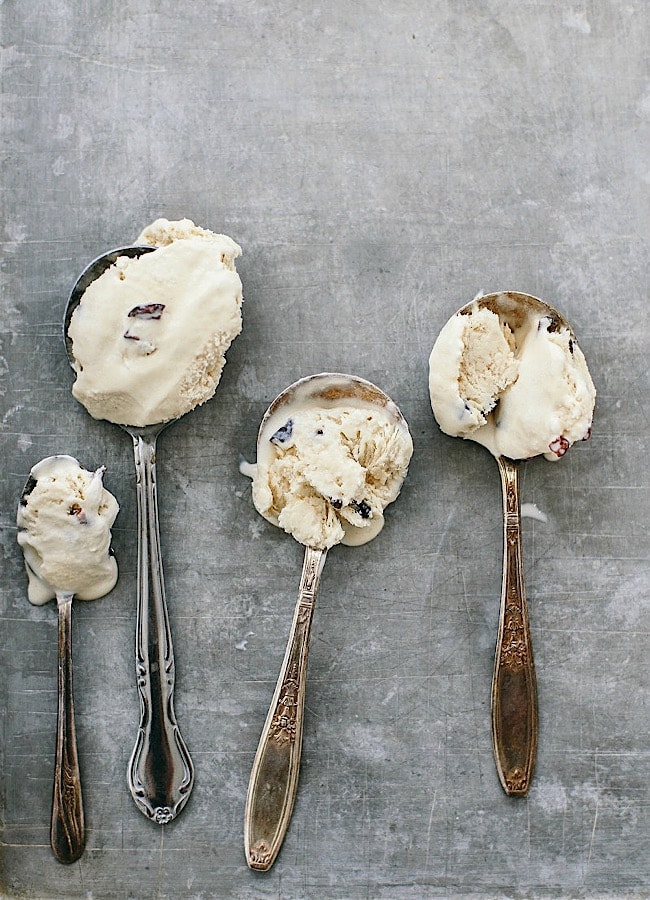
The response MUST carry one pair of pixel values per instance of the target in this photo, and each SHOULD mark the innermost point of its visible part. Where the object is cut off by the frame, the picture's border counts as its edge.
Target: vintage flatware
(64, 520)
(514, 688)
(274, 776)
(160, 772)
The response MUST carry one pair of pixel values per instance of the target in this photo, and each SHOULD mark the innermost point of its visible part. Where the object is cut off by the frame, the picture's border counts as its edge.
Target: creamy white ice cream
(326, 474)
(64, 521)
(149, 336)
(518, 384)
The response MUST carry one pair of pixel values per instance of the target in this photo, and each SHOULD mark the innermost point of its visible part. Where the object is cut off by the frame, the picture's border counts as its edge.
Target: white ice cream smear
(64, 523)
(149, 336)
(520, 391)
(325, 475)
(532, 511)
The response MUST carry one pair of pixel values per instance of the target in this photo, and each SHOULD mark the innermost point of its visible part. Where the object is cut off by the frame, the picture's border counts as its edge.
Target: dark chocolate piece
(282, 435)
(361, 507)
(147, 311)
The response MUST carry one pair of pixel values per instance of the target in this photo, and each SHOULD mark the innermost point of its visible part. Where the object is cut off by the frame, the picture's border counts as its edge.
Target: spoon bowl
(160, 773)
(327, 389)
(274, 777)
(514, 307)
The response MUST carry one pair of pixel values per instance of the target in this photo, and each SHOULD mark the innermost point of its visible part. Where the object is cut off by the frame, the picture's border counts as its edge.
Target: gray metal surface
(379, 163)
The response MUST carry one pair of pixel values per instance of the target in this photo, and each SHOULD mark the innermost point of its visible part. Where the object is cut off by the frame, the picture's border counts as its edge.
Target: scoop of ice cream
(329, 473)
(64, 521)
(521, 388)
(163, 232)
(149, 336)
(472, 364)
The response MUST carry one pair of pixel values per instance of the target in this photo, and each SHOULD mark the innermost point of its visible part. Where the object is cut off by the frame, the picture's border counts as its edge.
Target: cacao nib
(559, 445)
(76, 510)
(361, 507)
(147, 311)
(282, 435)
(550, 323)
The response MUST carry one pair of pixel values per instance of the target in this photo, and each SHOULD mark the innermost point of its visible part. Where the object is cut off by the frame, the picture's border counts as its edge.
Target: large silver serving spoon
(160, 773)
(274, 777)
(514, 686)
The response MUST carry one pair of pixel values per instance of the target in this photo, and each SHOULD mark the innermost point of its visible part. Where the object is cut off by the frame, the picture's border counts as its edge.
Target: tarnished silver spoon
(514, 686)
(160, 773)
(67, 825)
(274, 777)
(64, 519)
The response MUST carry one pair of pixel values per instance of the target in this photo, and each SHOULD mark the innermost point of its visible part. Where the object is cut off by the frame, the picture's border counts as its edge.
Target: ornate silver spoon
(160, 773)
(67, 827)
(274, 776)
(532, 322)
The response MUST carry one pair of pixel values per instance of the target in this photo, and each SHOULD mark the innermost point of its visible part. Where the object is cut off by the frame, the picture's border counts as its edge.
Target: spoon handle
(160, 773)
(514, 689)
(67, 832)
(274, 776)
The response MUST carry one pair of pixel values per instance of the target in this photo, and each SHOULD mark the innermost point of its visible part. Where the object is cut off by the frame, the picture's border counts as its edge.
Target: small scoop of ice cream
(327, 474)
(64, 520)
(149, 335)
(518, 384)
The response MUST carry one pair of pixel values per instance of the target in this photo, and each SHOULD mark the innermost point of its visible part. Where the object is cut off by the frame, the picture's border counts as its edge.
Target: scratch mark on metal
(593, 835)
(430, 826)
(121, 65)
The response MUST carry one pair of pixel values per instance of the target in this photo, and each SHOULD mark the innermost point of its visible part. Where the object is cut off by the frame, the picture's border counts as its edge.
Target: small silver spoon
(160, 773)
(67, 827)
(274, 777)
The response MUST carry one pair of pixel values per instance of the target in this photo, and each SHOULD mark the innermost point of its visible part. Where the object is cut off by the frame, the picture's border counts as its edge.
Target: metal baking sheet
(379, 164)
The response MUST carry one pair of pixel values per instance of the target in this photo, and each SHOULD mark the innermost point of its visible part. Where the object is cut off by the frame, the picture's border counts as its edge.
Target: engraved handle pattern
(514, 689)
(274, 776)
(67, 831)
(160, 773)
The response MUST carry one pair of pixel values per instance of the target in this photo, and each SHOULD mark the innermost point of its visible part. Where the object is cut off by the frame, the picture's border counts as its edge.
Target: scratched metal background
(379, 163)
